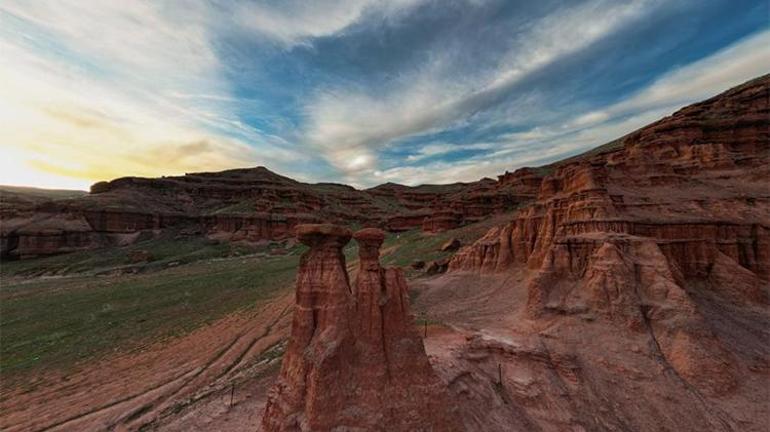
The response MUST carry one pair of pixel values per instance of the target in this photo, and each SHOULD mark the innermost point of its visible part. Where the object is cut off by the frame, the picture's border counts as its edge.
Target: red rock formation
(635, 233)
(629, 281)
(354, 360)
(242, 204)
(401, 223)
(311, 391)
(679, 181)
(442, 220)
(528, 178)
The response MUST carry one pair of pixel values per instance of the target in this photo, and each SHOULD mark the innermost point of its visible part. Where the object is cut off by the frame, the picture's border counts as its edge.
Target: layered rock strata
(354, 360)
(243, 204)
(696, 183)
(639, 232)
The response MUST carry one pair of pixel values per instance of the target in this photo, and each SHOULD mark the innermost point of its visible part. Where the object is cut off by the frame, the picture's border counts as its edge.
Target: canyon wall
(637, 234)
(695, 182)
(244, 204)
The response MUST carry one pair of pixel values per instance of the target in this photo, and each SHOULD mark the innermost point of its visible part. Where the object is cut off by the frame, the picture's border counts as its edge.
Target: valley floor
(505, 371)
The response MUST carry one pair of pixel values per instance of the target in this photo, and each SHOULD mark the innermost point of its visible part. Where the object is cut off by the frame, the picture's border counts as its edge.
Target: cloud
(92, 91)
(433, 150)
(54, 137)
(546, 143)
(345, 123)
(740, 62)
(511, 153)
(358, 91)
(140, 41)
(294, 22)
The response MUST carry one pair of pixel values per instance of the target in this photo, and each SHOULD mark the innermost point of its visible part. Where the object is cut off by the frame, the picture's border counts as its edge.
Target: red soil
(131, 391)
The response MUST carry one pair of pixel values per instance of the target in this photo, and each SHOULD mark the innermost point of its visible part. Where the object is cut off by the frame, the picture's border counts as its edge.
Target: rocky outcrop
(442, 220)
(528, 179)
(628, 281)
(451, 245)
(695, 183)
(354, 360)
(437, 266)
(408, 222)
(637, 233)
(238, 205)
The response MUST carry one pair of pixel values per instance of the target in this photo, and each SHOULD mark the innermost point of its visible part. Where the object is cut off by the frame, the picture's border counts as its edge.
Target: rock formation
(354, 360)
(674, 181)
(242, 204)
(635, 233)
(451, 245)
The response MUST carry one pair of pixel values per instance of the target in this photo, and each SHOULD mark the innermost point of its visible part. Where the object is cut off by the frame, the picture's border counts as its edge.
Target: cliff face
(354, 359)
(633, 235)
(696, 183)
(244, 204)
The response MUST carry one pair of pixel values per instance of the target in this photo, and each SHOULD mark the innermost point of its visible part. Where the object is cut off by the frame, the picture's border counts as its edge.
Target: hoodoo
(354, 360)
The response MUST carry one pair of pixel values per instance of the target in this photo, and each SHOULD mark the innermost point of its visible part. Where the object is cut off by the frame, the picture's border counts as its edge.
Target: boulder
(437, 267)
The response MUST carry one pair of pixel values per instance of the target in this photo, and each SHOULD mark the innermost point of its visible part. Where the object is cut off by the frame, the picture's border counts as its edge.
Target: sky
(361, 92)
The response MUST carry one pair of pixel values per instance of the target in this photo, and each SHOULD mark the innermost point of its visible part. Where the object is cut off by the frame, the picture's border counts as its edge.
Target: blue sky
(354, 91)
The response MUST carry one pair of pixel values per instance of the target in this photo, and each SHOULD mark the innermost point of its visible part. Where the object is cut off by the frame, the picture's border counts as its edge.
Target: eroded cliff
(354, 359)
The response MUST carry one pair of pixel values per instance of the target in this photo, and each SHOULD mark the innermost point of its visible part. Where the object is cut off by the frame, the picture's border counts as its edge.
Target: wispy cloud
(547, 143)
(94, 91)
(349, 125)
(433, 150)
(58, 137)
(357, 91)
(729, 67)
(293, 22)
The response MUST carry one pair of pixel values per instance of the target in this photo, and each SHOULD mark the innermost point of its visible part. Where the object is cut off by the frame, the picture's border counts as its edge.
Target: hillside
(248, 205)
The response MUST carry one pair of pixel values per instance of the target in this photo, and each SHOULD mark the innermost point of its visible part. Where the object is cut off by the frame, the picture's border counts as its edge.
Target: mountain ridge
(254, 204)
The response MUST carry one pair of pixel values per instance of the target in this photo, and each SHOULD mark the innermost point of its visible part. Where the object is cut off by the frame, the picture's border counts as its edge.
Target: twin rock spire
(355, 361)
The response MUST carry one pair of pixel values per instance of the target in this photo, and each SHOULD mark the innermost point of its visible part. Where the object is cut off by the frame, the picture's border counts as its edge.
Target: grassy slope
(165, 250)
(55, 322)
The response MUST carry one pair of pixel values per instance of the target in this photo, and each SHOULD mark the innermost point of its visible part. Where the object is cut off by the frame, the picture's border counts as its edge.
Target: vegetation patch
(403, 249)
(56, 322)
(169, 249)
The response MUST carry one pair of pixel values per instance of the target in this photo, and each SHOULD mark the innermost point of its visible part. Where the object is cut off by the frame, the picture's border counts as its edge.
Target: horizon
(355, 92)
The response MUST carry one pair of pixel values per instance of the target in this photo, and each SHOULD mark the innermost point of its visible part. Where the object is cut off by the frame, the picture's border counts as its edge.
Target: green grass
(54, 323)
(405, 248)
(92, 307)
(164, 251)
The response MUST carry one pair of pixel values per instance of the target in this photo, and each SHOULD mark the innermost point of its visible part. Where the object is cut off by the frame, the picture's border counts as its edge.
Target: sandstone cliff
(243, 204)
(638, 234)
(696, 183)
(354, 359)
